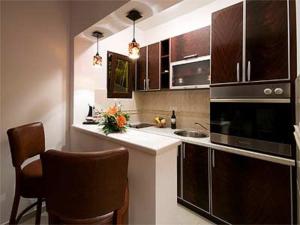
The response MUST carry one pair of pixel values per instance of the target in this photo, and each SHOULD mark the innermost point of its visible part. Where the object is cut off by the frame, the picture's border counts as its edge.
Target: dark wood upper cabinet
(250, 191)
(194, 43)
(120, 76)
(141, 70)
(195, 176)
(266, 40)
(227, 45)
(153, 67)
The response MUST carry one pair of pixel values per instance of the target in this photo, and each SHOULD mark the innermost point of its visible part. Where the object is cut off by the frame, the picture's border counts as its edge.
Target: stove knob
(268, 91)
(278, 91)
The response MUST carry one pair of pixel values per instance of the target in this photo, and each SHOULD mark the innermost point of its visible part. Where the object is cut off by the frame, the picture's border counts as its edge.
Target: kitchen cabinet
(191, 44)
(165, 64)
(227, 45)
(265, 49)
(194, 171)
(141, 70)
(267, 40)
(148, 68)
(179, 168)
(120, 76)
(153, 67)
(250, 191)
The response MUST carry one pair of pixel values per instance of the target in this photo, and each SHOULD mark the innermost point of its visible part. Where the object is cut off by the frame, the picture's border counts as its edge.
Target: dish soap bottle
(173, 120)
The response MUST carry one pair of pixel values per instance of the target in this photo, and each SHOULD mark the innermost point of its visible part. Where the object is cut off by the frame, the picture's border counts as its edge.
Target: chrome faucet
(199, 124)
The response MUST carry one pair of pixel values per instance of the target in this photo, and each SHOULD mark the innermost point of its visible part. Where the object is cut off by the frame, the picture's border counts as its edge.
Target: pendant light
(134, 47)
(97, 59)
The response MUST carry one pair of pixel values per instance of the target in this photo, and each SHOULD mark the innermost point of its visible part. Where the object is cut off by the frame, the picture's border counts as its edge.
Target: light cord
(98, 44)
(134, 30)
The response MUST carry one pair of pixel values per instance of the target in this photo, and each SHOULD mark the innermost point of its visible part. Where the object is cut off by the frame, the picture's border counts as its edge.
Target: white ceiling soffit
(117, 21)
(154, 12)
(183, 7)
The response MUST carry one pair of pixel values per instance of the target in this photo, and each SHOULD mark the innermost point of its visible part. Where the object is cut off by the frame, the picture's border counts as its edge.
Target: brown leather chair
(86, 188)
(25, 142)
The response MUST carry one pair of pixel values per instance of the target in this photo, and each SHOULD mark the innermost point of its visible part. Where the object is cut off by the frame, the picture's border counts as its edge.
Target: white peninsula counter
(152, 170)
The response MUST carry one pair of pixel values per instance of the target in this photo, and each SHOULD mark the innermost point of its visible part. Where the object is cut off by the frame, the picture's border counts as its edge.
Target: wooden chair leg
(14, 210)
(38, 211)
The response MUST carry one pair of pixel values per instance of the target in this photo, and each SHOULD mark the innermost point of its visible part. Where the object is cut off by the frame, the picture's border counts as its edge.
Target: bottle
(173, 120)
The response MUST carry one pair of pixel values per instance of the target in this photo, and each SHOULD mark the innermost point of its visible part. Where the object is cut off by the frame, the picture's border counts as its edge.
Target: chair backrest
(26, 141)
(84, 185)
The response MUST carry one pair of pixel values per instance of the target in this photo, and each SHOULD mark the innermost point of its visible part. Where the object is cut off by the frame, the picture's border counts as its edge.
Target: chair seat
(31, 180)
(106, 219)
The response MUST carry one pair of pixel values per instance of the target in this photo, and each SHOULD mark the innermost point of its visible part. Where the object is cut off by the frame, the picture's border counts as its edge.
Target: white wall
(90, 81)
(34, 77)
(86, 13)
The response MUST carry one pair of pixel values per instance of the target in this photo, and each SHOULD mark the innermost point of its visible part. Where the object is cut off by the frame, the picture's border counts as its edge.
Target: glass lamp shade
(134, 50)
(97, 60)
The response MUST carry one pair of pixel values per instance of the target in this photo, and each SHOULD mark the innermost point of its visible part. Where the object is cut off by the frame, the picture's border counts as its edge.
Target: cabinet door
(227, 45)
(195, 176)
(141, 70)
(194, 43)
(266, 40)
(179, 171)
(120, 76)
(153, 66)
(250, 191)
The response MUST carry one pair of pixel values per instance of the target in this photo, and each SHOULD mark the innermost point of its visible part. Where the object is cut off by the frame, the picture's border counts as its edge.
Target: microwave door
(191, 73)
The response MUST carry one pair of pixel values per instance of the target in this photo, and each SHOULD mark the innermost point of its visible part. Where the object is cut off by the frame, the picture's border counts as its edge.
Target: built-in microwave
(190, 73)
(253, 117)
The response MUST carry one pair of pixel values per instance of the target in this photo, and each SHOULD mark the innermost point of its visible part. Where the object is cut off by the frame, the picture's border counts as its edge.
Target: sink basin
(194, 134)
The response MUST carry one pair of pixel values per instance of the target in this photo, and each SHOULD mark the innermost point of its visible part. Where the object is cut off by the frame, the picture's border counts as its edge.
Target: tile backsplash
(190, 106)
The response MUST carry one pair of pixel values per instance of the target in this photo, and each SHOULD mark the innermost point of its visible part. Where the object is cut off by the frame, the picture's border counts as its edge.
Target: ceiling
(183, 7)
(154, 12)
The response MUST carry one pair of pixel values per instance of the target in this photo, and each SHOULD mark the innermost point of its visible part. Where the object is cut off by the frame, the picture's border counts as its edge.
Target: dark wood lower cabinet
(179, 171)
(250, 191)
(234, 189)
(195, 187)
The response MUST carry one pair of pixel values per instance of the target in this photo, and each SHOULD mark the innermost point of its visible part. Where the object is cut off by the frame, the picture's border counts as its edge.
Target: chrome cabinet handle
(238, 72)
(190, 56)
(213, 159)
(148, 84)
(144, 84)
(249, 71)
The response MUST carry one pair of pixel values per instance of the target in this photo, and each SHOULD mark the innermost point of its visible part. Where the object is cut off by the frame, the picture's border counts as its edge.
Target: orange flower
(121, 121)
(112, 110)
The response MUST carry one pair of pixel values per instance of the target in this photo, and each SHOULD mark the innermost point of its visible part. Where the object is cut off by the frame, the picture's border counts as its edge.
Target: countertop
(157, 140)
(151, 143)
(168, 132)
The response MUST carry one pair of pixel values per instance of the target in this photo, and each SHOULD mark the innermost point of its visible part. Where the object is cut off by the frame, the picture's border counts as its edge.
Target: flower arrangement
(114, 120)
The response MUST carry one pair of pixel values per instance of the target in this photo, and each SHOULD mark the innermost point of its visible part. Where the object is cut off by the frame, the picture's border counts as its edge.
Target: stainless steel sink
(194, 134)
